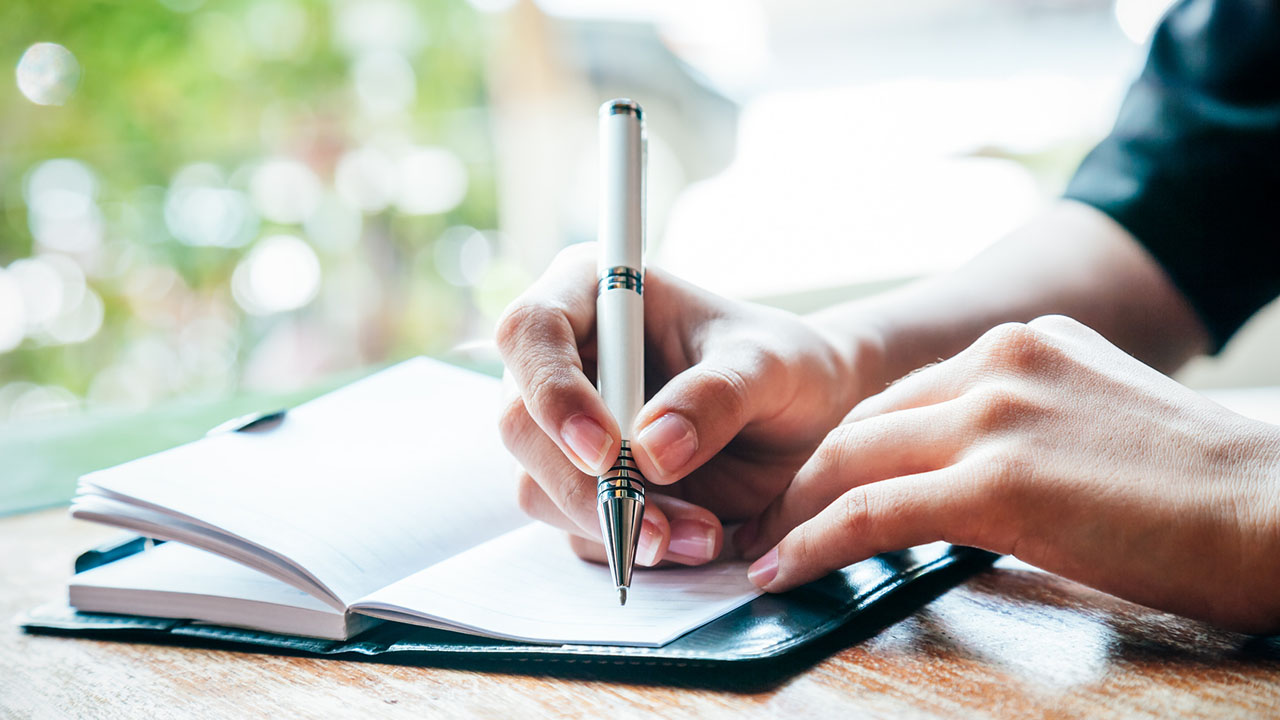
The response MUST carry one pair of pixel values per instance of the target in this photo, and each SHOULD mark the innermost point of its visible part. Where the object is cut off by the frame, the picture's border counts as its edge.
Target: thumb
(699, 411)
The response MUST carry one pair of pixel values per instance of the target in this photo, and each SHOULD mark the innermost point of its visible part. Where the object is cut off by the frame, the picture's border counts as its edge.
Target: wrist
(857, 351)
(1253, 453)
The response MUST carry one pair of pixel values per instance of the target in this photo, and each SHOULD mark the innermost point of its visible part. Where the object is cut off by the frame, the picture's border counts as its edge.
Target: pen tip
(622, 596)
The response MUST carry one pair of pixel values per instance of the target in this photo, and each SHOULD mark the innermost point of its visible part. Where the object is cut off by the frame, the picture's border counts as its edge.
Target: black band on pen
(620, 277)
(623, 480)
(623, 106)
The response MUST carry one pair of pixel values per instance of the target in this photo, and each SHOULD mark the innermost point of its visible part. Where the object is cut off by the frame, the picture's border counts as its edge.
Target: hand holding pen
(741, 395)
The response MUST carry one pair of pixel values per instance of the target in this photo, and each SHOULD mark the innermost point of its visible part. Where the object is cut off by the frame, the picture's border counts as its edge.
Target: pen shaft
(619, 303)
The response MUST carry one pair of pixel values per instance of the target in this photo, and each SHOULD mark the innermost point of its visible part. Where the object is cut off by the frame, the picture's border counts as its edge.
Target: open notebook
(391, 498)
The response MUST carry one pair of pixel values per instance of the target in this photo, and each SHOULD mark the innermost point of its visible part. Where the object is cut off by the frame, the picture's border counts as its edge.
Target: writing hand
(741, 396)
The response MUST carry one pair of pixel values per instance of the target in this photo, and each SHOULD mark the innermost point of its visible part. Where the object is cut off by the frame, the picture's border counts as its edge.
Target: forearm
(1070, 260)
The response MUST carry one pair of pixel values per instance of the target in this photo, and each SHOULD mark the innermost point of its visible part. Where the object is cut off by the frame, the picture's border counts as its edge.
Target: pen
(620, 326)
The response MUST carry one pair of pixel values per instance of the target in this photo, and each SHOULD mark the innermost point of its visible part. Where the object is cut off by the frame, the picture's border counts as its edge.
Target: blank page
(528, 585)
(361, 487)
(176, 581)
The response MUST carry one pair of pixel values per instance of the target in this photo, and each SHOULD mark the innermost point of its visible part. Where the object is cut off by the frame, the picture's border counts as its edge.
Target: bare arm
(1071, 260)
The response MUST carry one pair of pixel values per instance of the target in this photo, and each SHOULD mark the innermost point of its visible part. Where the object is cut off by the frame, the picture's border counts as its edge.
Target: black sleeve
(1192, 167)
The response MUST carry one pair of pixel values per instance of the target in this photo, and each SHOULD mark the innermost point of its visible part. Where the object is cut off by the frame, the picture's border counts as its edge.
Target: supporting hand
(1046, 442)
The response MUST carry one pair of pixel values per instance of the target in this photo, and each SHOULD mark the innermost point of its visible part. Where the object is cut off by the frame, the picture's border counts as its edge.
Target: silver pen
(620, 326)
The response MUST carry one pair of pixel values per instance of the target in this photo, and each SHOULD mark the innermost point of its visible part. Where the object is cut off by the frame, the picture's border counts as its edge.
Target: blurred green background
(228, 203)
(166, 228)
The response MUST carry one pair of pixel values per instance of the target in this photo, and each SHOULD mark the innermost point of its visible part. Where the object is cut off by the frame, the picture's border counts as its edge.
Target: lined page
(528, 585)
(360, 487)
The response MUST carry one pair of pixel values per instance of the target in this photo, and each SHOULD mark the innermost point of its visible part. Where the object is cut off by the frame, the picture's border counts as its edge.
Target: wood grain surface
(1012, 642)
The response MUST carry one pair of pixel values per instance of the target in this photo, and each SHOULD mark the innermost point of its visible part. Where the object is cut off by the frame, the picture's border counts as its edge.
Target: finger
(934, 383)
(539, 336)
(865, 521)
(588, 549)
(696, 535)
(701, 409)
(535, 503)
(906, 442)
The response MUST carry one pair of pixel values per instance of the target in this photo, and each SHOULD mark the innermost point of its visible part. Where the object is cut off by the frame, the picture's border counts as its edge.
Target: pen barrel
(619, 303)
(620, 354)
(622, 185)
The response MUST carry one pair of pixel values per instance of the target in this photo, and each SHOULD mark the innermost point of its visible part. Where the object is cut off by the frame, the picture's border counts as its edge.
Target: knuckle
(764, 362)
(1017, 347)
(578, 502)
(1000, 474)
(839, 445)
(514, 324)
(854, 509)
(992, 485)
(727, 389)
(802, 545)
(996, 407)
(548, 390)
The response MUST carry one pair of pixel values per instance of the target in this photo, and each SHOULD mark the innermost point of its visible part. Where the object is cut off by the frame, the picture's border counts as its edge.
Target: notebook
(389, 499)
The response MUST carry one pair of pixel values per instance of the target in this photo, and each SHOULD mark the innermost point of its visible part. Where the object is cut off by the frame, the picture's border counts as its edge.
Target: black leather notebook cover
(862, 597)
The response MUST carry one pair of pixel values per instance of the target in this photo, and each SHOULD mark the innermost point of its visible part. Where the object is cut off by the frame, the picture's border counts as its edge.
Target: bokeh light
(41, 289)
(277, 28)
(335, 226)
(384, 81)
(201, 210)
(368, 25)
(280, 273)
(79, 322)
(285, 190)
(367, 178)
(58, 305)
(432, 181)
(492, 6)
(47, 74)
(27, 401)
(462, 255)
(12, 315)
(61, 198)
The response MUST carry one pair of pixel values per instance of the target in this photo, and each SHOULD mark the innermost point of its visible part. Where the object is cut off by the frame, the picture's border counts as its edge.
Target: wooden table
(1012, 642)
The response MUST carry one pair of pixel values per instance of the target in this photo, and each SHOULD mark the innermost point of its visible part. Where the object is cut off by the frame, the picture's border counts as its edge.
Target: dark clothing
(1192, 167)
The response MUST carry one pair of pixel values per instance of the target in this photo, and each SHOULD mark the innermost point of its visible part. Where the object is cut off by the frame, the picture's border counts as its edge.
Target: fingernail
(588, 441)
(692, 539)
(747, 535)
(650, 542)
(763, 571)
(670, 442)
